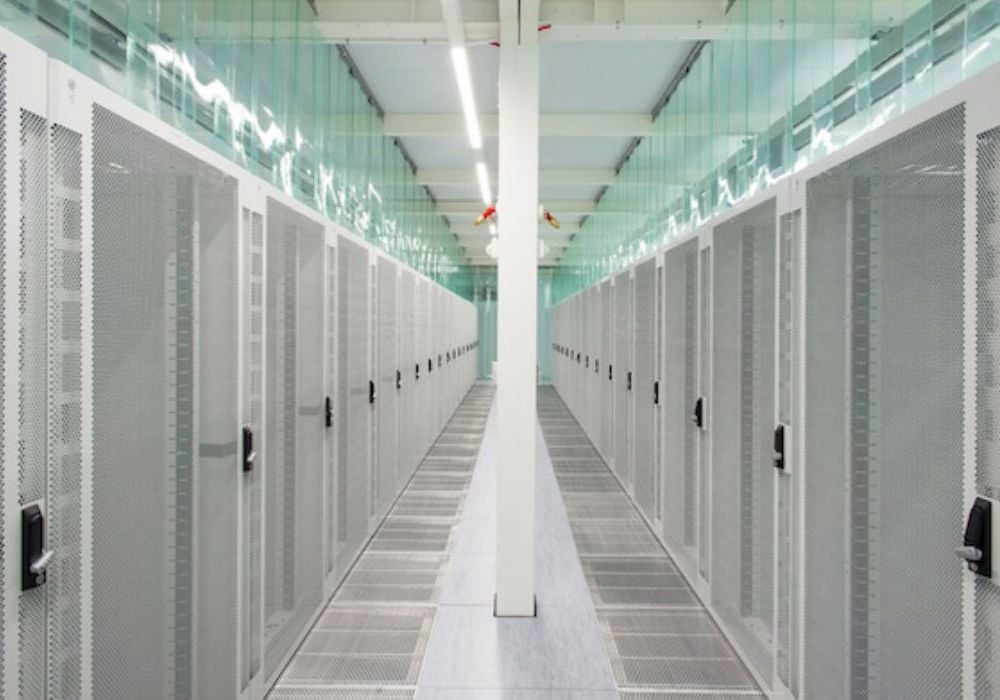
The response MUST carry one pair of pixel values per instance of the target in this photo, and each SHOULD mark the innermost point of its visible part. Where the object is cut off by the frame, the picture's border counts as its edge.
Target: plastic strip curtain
(253, 80)
(791, 82)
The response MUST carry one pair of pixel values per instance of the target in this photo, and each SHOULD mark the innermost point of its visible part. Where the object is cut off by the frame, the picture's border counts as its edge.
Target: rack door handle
(371, 391)
(698, 414)
(779, 447)
(35, 556)
(249, 451)
(656, 393)
(399, 380)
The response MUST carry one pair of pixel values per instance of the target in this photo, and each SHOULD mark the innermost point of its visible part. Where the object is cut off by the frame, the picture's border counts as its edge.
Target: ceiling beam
(567, 125)
(388, 21)
(470, 209)
(432, 177)
(466, 231)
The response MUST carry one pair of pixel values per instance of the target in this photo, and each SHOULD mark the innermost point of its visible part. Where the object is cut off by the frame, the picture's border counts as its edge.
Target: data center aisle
(370, 640)
(475, 656)
(656, 633)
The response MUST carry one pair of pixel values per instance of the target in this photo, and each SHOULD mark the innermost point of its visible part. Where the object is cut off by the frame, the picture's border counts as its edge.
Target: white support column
(517, 291)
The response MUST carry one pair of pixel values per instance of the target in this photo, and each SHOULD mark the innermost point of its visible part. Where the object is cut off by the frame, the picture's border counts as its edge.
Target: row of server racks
(803, 400)
(211, 396)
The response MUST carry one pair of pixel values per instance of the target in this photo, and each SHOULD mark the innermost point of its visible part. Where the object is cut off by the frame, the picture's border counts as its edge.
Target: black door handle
(628, 381)
(249, 453)
(779, 447)
(35, 558)
(399, 380)
(698, 415)
(430, 365)
(611, 374)
(656, 393)
(371, 391)
(977, 544)
(416, 372)
(328, 412)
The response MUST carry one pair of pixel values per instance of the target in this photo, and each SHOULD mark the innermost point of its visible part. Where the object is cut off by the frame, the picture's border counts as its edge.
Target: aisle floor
(660, 640)
(414, 617)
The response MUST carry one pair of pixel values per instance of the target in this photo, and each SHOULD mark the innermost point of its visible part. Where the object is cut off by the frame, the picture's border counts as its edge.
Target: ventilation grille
(644, 411)
(623, 361)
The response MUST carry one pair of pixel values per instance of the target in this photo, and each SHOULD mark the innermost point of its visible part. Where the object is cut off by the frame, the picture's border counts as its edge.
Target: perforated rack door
(987, 593)
(787, 560)
(388, 397)
(293, 437)
(165, 467)
(331, 418)
(606, 392)
(252, 544)
(884, 493)
(742, 415)
(643, 409)
(622, 293)
(678, 392)
(354, 409)
(408, 360)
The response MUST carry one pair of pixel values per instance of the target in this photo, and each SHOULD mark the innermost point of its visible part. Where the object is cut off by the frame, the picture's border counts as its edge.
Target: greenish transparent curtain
(790, 82)
(254, 81)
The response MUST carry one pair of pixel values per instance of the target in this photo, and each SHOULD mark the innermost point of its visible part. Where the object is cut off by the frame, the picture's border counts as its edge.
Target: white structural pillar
(517, 292)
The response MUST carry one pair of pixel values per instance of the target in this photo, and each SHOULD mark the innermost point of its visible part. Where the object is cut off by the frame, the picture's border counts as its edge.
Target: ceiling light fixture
(484, 183)
(460, 62)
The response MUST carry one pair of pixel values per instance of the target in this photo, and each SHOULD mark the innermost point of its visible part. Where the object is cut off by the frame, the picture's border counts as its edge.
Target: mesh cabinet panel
(64, 415)
(293, 438)
(987, 615)
(251, 547)
(786, 558)
(354, 476)
(644, 412)
(742, 424)
(704, 383)
(330, 454)
(32, 364)
(4, 154)
(885, 251)
(388, 399)
(407, 364)
(622, 292)
(164, 412)
(605, 412)
(678, 391)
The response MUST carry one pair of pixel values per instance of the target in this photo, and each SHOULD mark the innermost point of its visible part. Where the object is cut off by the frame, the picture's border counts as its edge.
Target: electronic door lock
(779, 447)
(249, 453)
(35, 557)
(977, 543)
(698, 414)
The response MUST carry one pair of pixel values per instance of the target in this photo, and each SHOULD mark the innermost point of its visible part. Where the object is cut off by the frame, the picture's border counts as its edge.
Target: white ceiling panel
(592, 77)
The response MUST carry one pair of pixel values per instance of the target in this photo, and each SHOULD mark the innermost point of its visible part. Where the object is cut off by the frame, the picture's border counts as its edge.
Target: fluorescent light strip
(484, 183)
(460, 61)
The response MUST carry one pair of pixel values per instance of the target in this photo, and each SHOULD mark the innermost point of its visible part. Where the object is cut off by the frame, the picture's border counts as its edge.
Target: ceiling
(595, 98)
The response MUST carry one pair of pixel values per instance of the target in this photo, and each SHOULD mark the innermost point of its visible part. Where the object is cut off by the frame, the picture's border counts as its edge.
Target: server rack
(172, 329)
(826, 347)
